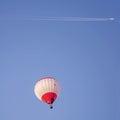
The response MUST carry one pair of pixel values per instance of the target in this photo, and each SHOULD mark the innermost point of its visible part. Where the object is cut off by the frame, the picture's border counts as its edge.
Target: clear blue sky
(83, 56)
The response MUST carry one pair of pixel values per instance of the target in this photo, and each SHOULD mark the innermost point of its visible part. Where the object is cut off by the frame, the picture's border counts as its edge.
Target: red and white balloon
(47, 90)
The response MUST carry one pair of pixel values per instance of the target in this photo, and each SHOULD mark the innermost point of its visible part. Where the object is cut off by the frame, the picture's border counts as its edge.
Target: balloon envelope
(47, 90)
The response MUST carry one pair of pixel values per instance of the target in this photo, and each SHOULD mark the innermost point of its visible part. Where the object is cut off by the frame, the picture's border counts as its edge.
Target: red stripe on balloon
(49, 97)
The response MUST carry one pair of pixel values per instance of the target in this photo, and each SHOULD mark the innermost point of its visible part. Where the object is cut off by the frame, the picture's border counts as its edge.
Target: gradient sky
(83, 56)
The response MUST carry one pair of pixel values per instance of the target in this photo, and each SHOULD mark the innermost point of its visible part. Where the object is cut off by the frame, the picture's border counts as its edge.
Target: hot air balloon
(47, 90)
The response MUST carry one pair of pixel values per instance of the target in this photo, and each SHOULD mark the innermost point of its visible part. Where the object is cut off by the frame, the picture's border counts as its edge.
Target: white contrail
(71, 19)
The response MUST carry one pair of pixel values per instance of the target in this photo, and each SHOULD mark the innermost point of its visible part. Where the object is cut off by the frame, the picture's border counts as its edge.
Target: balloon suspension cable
(51, 107)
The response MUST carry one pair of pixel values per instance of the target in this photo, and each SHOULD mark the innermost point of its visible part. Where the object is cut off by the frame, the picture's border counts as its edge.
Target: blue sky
(83, 56)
